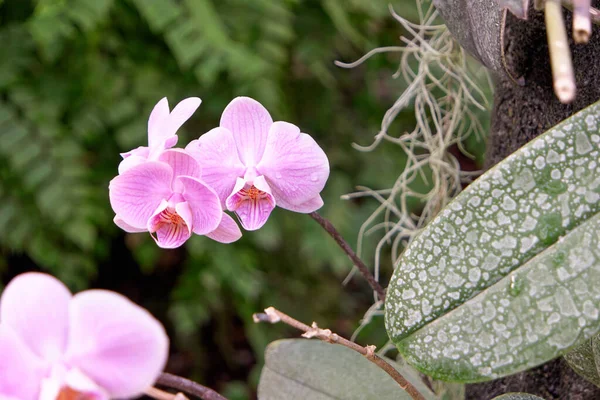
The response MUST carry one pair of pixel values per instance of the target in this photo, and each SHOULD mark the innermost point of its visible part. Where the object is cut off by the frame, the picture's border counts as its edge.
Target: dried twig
(187, 386)
(272, 315)
(560, 54)
(364, 270)
(162, 395)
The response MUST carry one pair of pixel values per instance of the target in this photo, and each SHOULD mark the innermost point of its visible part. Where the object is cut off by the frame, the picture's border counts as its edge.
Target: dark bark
(520, 114)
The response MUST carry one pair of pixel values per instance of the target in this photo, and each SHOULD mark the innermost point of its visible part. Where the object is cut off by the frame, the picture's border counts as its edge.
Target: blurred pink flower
(162, 131)
(95, 345)
(167, 198)
(255, 164)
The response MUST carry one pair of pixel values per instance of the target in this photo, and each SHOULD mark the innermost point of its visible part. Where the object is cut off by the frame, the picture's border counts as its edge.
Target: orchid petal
(135, 194)
(182, 163)
(36, 306)
(159, 114)
(141, 151)
(252, 203)
(294, 165)
(21, 372)
(305, 208)
(116, 343)
(249, 122)
(227, 231)
(204, 203)
(217, 154)
(130, 162)
(127, 228)
(172, 227)
(181, 113)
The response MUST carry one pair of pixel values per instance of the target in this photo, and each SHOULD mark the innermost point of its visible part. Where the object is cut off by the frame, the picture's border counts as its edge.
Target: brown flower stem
(162, 395)
(188, 386)
(364, 270)
(272, 315)
(560, 54)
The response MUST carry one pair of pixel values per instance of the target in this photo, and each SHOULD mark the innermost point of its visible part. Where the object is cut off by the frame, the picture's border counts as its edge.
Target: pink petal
(35, 306)
(217, 154)
(171, 226)
(181, 113)
(204, 203)
(158, 115)
(249, 122)
(182, 163)
(252, 203)
(294, 165)
(127, 228)
(116, 343)
(130, 162)
(21, 372)
(307, 207)
(135, 194)
(227, 232)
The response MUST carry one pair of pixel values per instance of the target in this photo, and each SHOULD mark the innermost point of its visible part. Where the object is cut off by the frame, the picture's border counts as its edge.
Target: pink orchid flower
(255, 164)
(95, 345)
(167, 198)
(162, 131)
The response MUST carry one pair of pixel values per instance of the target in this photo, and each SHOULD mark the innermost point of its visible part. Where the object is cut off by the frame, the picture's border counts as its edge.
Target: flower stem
(188, 386)
(364, 270)
(272, 315)
(560, 54)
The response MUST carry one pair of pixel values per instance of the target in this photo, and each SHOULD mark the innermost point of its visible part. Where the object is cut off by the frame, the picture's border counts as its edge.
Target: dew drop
(314, 177)
(516, 286)
(278, 175)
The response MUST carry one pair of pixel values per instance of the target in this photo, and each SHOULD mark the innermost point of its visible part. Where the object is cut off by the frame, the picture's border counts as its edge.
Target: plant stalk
(358, 263)
(188, 386)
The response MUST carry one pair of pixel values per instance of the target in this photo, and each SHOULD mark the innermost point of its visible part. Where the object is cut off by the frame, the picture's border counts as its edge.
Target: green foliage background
(78, 79)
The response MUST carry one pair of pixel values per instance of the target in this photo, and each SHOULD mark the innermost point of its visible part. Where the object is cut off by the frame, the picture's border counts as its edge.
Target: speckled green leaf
(517, 396)
(301, 369)
(585, 360)
(505, 278)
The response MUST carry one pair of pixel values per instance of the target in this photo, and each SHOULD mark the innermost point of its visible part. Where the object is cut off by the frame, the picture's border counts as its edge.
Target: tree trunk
(520, 114)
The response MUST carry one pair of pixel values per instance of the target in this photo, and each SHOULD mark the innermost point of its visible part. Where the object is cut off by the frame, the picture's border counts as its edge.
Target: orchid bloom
(162, 131)
(95, 345)
(167, 198)
(255, 164)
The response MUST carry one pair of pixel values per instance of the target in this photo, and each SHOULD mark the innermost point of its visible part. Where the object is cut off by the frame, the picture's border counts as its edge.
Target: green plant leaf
(517, 396)
(503, 279)
(585, 360)
(299, 369)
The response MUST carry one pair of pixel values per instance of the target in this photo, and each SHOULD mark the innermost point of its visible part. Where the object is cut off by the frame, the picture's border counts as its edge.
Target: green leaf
(311, 369)
(502, 280)
(585, 360)
(517, 396)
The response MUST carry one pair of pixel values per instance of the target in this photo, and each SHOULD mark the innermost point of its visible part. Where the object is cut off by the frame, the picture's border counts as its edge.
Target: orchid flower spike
(95, 345)
(162, 131)
(255, 164)
(167, 198)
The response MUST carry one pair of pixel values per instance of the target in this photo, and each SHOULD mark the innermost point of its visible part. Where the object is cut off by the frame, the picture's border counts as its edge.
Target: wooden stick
(272, 315)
